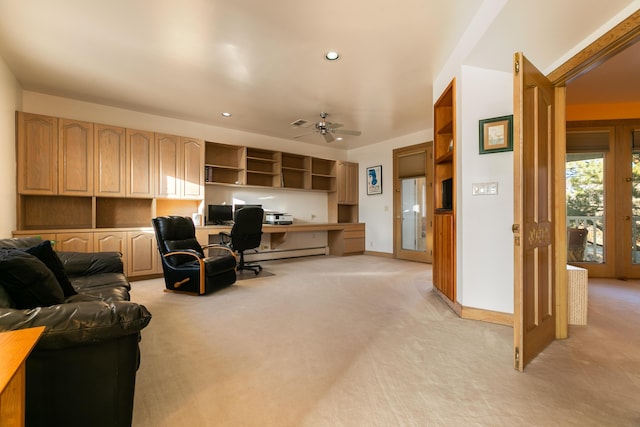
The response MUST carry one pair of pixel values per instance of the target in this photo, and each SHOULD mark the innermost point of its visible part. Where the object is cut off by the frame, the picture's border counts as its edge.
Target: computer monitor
(219, 214)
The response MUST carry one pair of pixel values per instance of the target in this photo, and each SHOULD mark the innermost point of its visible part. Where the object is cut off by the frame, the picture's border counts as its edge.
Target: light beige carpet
(363, 341)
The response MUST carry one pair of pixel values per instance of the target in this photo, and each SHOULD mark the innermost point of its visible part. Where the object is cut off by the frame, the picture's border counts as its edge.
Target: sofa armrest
(78, 323)
(88, 263)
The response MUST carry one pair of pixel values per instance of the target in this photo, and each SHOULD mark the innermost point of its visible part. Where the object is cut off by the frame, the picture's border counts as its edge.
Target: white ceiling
(263, 61)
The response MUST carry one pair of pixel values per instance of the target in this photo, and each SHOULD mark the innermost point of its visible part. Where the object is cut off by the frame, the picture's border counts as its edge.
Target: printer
(276, 218)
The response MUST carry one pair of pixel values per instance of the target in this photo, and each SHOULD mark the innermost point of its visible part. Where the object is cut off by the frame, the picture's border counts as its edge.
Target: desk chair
(185, 267)
(246, 233)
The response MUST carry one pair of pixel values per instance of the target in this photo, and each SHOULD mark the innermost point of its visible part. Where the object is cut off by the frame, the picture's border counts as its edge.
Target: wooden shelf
(444, 177)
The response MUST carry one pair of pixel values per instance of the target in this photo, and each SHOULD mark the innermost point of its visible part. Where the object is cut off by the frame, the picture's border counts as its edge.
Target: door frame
(398, 252)
(609, 44)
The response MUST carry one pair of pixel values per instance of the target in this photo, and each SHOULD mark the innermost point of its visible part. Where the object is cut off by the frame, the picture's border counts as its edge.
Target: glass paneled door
(413, 215)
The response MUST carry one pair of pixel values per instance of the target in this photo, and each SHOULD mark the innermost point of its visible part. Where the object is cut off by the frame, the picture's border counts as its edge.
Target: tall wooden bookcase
(444, 167)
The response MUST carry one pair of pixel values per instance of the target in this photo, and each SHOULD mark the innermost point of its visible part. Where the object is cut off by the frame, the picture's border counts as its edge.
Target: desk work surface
(338, 233)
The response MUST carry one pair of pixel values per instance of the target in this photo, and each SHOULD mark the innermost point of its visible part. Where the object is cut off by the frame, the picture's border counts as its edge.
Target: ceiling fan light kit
(325, 128)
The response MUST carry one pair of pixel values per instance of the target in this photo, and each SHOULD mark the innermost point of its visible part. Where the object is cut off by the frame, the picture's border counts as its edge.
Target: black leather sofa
(82, 370)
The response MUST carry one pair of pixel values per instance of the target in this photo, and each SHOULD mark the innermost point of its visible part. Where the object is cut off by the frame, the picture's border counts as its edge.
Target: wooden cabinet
(109, 147)
(323, 174)
(139, 163)
(180, 167)
(444, 167)
(192, 151)
(74, 242)
(347, 240)
(347, 183)
(75, 158)
(142, 253)
(444, 254)
(168, 165)
(37, 154)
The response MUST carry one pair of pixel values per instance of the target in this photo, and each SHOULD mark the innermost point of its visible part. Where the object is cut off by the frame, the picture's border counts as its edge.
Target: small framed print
(496, 134)
(374, 180)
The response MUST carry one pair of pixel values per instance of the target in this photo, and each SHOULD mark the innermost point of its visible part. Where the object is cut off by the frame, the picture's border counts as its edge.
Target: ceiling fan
(324, 128)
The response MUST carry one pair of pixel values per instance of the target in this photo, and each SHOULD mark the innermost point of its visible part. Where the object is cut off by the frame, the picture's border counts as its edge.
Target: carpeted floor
(362, 341)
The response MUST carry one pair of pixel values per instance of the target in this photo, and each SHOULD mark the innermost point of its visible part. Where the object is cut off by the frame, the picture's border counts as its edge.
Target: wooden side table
(15, 346)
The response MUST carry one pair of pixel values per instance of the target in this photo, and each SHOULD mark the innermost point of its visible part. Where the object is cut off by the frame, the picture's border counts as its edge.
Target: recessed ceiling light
(339, 138)
(332, 55)
(225, 114)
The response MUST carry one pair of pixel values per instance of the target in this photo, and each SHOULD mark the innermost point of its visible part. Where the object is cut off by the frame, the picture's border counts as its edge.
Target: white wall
(484, 238)
(377, 210)
(9, 102)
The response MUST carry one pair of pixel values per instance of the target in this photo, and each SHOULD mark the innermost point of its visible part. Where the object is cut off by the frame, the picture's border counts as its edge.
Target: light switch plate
(484, 189)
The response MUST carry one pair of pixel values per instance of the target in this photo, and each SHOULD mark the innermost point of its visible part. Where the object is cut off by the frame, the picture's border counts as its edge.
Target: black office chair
(186, 268)
(246, 233)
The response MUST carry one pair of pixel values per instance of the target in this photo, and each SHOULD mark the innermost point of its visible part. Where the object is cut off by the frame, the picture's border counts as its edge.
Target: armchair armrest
(78, 323)
(222, 248)
(85, 264)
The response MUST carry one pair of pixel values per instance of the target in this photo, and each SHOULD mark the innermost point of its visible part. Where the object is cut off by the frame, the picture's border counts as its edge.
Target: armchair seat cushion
(217, 265)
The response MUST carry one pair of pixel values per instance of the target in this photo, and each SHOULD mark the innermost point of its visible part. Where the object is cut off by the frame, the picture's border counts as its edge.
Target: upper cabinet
(75, 156)
(139, 163)
(180, 166)
(37, 154)
(347, 183)
(109, 165)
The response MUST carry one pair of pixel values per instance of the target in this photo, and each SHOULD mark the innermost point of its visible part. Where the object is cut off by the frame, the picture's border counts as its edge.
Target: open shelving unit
(224, 163)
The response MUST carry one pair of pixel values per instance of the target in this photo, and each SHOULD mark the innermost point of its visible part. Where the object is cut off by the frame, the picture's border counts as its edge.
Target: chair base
(256, 268)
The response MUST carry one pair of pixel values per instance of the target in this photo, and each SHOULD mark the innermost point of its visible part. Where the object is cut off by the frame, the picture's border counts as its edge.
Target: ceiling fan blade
(328, 137)
(333, 125)
(348, 132)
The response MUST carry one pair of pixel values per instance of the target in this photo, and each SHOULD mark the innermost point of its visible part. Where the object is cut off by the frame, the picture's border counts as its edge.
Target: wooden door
(168, 162)
(75, 156)
(412, 203)
(37, 154)
(139, 163)
(109, 146)
(193, 168)
(534, 307)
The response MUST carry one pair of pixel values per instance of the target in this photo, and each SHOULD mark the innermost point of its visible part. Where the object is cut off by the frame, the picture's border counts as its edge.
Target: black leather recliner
(186, 268)
(82, 371)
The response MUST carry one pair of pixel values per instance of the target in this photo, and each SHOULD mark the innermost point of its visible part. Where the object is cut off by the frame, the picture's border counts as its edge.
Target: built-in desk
(342, 238)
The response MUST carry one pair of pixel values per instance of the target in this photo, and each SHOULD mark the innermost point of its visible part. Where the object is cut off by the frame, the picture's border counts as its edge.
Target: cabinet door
(139, 163)
(168, 164)
(74, 242)
(109, 146)
(75, 154)
(37, 154)
(443, 255)
(115, 241)
(193, 164)
(142, 253)
(347, 183)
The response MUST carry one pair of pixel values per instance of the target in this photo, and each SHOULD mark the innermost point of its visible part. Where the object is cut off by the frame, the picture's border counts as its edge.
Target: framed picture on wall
(496, 134)
(374, 180)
